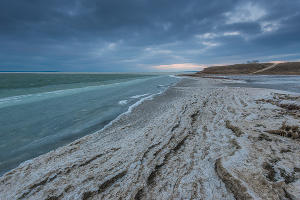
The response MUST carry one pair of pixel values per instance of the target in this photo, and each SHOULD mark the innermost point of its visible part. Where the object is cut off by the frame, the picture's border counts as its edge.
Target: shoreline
(175, 145)
(80, 114)
(132, 107)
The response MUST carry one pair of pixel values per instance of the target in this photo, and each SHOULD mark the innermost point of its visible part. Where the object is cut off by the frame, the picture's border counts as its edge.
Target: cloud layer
(137, 35)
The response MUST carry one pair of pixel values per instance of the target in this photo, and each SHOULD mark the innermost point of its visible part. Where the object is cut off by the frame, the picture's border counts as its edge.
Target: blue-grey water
(42, 111)
(278, 82)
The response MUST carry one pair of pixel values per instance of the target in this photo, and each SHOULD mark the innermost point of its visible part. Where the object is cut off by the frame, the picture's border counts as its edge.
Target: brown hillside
(290, 68)
(235, 69)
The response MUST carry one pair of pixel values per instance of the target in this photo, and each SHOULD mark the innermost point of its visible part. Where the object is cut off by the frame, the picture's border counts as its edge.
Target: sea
(40, 112)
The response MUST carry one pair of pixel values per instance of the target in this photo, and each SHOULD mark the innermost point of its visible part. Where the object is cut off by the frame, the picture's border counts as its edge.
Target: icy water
(42, 111)
(286, 83)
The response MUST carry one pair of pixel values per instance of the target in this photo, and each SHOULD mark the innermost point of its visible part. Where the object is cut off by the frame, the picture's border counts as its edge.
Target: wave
(123, 102)
(130, 108)
(139, 96)
(45, 95)
(173, 76)
(29, 98)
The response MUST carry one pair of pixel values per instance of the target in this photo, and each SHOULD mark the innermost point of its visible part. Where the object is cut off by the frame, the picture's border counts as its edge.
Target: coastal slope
(287, 68)
(198, 140)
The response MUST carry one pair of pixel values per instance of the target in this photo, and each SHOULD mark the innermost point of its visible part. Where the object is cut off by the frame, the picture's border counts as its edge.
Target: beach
(200, 139)
(40, 112)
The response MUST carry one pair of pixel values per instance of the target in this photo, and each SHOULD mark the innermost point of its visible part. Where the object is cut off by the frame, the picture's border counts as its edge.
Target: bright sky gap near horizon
(144, 35)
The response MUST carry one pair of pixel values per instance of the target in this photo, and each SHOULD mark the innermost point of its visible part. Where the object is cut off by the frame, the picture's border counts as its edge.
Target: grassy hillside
(292, 68)
(235, 69)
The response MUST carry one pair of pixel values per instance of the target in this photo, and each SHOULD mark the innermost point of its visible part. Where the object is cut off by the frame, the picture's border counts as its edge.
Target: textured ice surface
(172, 146)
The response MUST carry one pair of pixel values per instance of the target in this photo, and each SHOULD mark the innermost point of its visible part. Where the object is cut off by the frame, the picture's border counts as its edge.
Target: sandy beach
(198, 140)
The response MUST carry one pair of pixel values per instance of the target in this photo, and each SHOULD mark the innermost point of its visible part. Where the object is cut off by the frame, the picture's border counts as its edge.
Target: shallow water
(280, 82)
(38, 118)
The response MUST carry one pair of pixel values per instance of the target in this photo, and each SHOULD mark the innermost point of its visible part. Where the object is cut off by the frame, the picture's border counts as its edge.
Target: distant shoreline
(25, 71)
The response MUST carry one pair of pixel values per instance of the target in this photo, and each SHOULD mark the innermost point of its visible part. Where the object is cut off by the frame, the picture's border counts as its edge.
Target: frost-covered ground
(198, 140)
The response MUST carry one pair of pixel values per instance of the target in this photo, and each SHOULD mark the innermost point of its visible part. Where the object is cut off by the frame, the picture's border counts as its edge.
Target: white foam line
(133, 106)
(173, 76)
(123, 102)
(130, 108)
(45, 95)
(138, 96)
(20, 99)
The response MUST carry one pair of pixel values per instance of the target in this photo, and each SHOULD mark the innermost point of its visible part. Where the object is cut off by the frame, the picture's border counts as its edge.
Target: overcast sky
(145, 35)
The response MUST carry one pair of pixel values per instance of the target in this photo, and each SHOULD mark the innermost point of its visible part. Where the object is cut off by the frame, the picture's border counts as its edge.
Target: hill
(289, 68)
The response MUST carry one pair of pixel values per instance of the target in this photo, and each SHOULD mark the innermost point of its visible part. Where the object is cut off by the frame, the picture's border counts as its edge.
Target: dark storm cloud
(134, 35)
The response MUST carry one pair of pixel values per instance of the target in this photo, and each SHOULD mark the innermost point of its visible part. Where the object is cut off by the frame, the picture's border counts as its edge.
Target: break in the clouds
(144, 35)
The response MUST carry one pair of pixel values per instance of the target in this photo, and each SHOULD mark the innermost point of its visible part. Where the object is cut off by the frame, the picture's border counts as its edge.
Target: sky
(145, 35)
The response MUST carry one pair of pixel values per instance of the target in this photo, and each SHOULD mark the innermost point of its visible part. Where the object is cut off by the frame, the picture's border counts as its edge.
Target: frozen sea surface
(286, 83)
